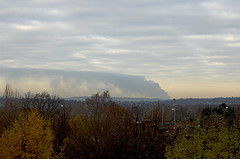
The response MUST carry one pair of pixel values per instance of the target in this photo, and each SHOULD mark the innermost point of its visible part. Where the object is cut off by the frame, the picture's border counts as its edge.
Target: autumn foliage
(105, 135)
(213, 139)
(42, 126)
(30, 137)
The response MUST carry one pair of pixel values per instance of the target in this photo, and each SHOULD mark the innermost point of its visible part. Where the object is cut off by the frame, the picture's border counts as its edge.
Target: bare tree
(98, 103)
(11, 107)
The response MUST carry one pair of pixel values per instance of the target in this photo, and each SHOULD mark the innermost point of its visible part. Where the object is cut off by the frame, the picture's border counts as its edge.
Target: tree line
(44, 126)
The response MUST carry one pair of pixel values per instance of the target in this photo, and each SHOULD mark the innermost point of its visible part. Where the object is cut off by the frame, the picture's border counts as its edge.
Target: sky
(178, 49)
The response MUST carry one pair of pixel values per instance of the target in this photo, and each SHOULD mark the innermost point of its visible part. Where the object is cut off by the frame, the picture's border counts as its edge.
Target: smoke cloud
(80, 83)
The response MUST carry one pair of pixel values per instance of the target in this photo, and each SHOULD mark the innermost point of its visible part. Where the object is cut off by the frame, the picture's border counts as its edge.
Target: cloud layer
(171, 42)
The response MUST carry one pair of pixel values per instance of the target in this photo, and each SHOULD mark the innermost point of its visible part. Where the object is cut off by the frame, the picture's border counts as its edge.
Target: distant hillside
(186, 101)
(206, 101)
(121, 99)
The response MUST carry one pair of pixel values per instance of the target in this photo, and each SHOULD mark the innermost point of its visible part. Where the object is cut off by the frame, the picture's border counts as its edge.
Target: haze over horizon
(154, 48)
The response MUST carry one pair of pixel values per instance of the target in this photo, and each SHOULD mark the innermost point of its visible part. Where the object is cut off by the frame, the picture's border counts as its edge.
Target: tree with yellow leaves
(214, 141)
(29, 137)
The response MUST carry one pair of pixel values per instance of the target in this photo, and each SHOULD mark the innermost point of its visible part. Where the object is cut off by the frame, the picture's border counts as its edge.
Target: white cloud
(233, 44)
(216, 64)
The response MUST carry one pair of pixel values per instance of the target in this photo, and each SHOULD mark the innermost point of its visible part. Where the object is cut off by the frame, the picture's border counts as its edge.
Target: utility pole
(162, 113)
(174, 117)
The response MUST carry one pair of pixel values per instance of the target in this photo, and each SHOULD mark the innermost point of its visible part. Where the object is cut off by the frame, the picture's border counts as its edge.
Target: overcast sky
(190, 48)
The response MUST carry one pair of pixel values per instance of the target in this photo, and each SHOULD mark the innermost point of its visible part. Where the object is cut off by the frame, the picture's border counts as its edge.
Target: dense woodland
(44, 126)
